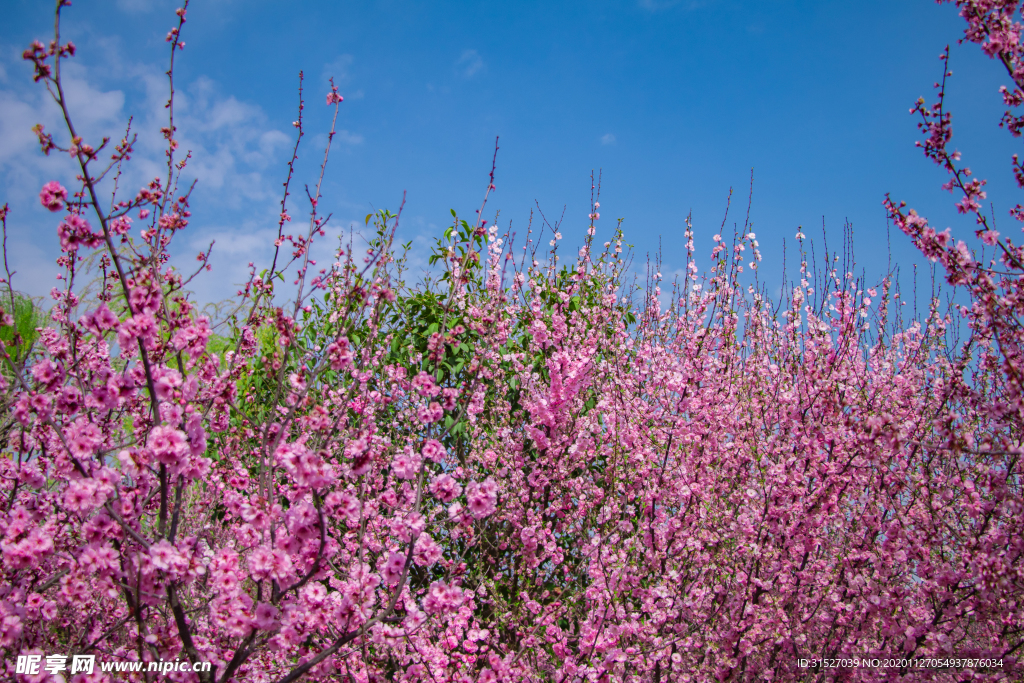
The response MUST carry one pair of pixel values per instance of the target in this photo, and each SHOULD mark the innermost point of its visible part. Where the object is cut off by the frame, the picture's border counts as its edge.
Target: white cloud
(608, 139)
(348, 138)
(34, 270)
(470, 63)
(337, 68)
(92, 107)
(236, 160)
(234, 249)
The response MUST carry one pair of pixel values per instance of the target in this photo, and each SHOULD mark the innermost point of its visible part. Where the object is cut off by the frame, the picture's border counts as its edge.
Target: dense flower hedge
(518, 473)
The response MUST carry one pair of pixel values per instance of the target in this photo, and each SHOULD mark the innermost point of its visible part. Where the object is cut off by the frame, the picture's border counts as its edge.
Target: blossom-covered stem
(181, 621)
(316, 226)
(83, 161)
(298, 672)
(174, 38)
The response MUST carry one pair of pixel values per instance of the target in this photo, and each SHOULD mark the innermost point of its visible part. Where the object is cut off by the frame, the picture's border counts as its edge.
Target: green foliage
(427, 328)
(18, 339)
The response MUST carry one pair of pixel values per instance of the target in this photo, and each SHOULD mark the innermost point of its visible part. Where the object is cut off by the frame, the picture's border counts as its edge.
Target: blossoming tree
(520, 474)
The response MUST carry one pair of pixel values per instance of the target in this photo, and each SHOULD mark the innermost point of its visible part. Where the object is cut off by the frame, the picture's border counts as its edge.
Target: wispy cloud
(470, 63)
(345, 137)
(235, 158)
(608, 139)
(339, 69)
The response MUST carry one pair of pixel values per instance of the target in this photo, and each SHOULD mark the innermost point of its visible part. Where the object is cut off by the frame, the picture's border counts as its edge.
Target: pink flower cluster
(553, 481)
(53, 195)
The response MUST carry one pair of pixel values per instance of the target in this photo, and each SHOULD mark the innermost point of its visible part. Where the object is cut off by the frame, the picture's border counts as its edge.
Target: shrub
(481, 480)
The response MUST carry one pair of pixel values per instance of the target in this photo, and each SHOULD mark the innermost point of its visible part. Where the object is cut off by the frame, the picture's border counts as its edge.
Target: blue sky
(674, 102)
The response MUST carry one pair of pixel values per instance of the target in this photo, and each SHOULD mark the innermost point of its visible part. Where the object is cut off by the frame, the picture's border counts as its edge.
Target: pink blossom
(168, 444)
(442, 598)
(393, 568)
(426, 552)
(42, 404)
(140, 326)
(261, 563)
(23, 411)
(165, 557)
(11, 629)
(53, 196)
(307, 468)
(103, 396)
(267, 617)
(362, 457)
(196, 434)
(445, 488)
(340, 354)
(193, 338)
(344, 504)
(431, 413)
(405, 465)
(28, 551)
(314, 595)
(424, 383)
(47, 373)
(482, 497)
(165, 381)
(83, 495)
(121, 225)
(449, 398)
(990, 237)
(145, 299)
(31, 475)
(100, 320)
(433, 450)
(69, 401)
(74, 231)
(101, 560)
(282, 566)
(84, 438)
